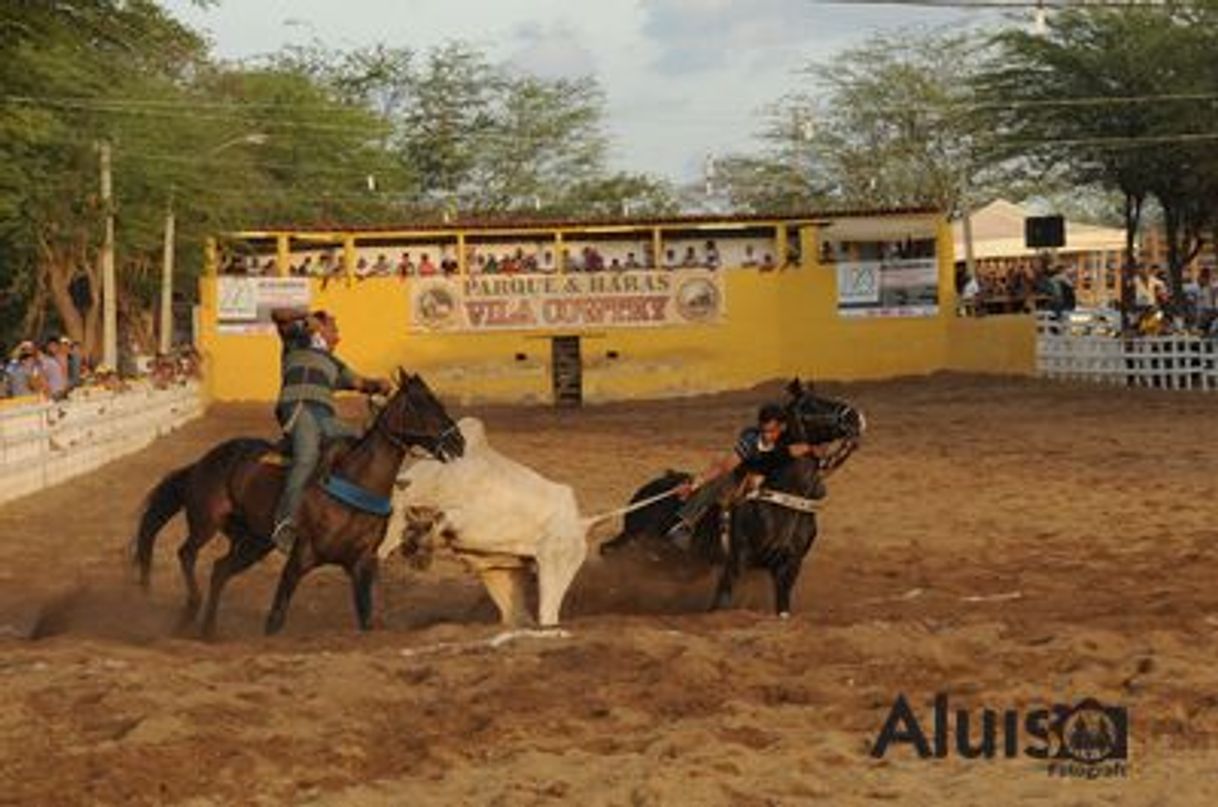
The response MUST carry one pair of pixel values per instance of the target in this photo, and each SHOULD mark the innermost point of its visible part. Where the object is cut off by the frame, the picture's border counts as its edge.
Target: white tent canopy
(998, 232)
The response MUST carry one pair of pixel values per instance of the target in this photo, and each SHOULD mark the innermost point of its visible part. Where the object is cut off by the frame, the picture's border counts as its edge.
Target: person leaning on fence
(1061, 292)
(760, 453)
(54, 369)
(1207, 300)
(24, 371)
(18, 369)
(310, 375)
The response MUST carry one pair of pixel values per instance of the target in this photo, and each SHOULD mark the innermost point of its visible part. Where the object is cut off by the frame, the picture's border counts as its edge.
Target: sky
(683, 79)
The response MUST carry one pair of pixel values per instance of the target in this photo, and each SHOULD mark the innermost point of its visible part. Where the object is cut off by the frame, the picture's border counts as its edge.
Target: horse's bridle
(845, 447)
(408, 440)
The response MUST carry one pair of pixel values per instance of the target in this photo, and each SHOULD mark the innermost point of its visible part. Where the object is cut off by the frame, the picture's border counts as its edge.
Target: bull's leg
(363, 575)
(506, 589)
(298, 565)
(244, 551)
(784, 573)
(555, 572)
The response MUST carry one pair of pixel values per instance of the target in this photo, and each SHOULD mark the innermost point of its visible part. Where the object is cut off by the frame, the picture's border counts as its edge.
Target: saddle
(753, 488)
(279, 455)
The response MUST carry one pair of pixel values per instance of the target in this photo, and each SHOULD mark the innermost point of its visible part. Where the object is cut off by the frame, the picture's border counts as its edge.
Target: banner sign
(906, 287)
(244, 304)
(634, 299)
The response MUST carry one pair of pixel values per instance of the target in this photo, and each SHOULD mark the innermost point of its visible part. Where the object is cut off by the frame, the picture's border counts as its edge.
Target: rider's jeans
(313, 423)
(705, 496)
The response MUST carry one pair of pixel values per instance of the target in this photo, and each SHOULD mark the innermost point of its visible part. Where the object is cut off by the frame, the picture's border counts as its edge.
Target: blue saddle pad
(355, 496)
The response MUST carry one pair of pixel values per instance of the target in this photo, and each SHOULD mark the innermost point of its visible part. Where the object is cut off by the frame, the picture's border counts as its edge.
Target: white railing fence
(1075, 350)
(43, 444)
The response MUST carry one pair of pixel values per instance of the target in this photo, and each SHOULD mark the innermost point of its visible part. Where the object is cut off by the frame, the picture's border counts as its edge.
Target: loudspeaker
(1044, 231)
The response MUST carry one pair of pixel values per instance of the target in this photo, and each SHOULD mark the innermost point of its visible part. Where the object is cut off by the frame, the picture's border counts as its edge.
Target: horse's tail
(162, 504)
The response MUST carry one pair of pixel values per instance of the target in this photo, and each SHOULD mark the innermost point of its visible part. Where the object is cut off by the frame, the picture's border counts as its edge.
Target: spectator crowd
(484, 259)
(56, 368)
(1027, 287)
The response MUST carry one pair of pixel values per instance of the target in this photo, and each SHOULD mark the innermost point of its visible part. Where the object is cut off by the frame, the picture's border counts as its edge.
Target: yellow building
(597, 311)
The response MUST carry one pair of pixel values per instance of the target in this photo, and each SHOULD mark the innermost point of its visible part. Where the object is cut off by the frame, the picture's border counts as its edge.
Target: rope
(493, 643)
(630, 508)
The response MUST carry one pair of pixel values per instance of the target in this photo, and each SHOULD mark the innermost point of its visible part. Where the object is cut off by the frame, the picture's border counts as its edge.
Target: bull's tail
(162, 504)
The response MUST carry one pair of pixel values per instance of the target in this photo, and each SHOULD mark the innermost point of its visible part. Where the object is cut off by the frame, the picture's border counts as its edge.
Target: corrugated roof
(492, 224)
(998, 232)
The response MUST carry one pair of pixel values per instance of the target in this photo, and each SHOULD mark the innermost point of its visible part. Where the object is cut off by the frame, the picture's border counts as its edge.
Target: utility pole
(165, 341)
(109, 291)
(166, 334)
(966, 224)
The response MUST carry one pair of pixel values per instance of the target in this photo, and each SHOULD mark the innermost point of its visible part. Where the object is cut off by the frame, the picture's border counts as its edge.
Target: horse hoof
(784, 614)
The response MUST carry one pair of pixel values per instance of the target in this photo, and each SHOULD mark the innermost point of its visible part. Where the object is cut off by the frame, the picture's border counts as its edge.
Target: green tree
(226, 147)
(622, 194)
(545, 137)
(884, 124)
(65, 67)
(470, 135)
(1119, 99)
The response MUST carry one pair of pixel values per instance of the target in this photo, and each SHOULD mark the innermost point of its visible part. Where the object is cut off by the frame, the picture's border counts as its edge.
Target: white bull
(495, 514)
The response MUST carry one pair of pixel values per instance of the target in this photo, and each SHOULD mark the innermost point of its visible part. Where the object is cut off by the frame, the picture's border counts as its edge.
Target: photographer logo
(1088, 740)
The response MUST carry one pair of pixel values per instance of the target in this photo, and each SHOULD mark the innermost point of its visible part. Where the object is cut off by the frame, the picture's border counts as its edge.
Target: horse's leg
(784, 573)
(723, 591)
(363, 575)
(201, 529)
(245, 549)
(731, 569)
(300, 563)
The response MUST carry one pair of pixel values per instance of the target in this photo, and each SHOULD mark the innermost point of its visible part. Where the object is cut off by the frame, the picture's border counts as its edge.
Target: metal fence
(1090, 351)
(42, 444)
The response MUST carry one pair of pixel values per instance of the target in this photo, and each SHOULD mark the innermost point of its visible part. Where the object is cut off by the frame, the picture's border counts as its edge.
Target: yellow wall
(1002, 344)
(777, 324)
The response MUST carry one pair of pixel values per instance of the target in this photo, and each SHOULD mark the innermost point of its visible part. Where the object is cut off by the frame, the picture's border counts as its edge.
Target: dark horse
(232, 490)
(773, 532)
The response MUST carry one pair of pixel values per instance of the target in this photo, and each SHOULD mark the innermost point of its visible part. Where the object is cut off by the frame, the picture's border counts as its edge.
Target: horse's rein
(410, 440)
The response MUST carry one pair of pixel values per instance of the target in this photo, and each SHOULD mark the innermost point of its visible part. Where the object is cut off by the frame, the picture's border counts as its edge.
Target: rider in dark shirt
(761, 451)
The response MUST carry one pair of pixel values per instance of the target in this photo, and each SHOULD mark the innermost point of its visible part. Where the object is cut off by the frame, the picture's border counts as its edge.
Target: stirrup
(284, 536)
(681, 535)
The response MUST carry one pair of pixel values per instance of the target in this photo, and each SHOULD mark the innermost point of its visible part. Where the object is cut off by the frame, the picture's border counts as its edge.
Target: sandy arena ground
(1083, 518)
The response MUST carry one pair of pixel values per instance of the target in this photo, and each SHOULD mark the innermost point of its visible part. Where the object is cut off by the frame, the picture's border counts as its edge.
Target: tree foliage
(308, 136)
(1125, 99)
(884, 124)
(67, 68)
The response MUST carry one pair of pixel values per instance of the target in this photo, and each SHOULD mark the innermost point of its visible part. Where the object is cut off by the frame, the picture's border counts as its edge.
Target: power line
(186, 109)
(525, 138)
(988, 5)
(1188, 137)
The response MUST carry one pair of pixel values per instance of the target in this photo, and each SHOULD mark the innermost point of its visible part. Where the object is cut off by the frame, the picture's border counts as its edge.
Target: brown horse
(232, 490)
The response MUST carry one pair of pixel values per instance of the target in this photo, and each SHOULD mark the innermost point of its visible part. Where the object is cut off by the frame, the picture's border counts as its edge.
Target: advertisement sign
(569, 302)
(244, 304)
(898, 287)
